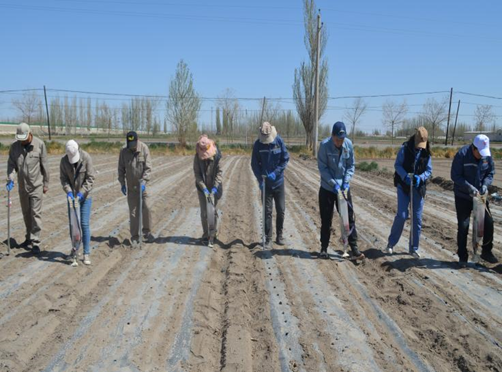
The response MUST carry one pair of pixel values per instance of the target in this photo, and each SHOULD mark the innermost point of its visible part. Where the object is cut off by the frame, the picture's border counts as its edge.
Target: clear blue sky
(253, 47)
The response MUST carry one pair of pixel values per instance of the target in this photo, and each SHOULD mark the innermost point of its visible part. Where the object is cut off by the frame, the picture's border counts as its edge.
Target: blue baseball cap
(339, 130)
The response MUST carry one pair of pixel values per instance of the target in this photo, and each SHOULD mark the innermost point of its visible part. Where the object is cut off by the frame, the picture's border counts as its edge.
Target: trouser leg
(464, 208)
(85, 216)
(24, 201)
(488, 235)
(146, 213)
(403, 201)
(133, 201)
(326, 207)
(36, 216)
(280, 208)
(203, 214)
(269, 206)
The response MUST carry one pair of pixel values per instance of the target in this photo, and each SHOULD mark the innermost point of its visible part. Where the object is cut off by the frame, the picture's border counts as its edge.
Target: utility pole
(47, 110)
(262, 110)
(448, 122)
(316, 101)
(455, 127)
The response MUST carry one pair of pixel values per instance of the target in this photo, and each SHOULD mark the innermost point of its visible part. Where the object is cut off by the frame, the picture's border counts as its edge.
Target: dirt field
(178, 306)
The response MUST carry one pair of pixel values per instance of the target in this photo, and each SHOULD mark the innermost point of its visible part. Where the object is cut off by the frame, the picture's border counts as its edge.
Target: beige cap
(22, 132)
(267, 133)
(421, 137)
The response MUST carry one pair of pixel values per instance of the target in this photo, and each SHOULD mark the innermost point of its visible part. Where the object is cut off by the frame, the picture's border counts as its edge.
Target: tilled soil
(176, 305)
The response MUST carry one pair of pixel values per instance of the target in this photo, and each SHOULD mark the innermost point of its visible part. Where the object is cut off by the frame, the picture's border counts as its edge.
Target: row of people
(472, 173)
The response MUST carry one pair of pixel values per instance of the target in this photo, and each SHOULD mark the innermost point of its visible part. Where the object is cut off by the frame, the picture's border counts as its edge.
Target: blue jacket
(335, 165)
(270, 158)
(466, 170)
(406, 157)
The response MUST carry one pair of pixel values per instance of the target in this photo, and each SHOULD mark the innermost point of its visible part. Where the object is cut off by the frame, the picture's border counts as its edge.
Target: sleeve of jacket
(428, 171)
(63, 177)
(91, 175)
(457, 173)
(43, 164)
(322, 164)
(350, 166)
(199, 181)
(398, 164)
(284, 159)
(255, 162)
(487, 181)
(148, 164)
(121, 168)
(219, 174)
(11, 165)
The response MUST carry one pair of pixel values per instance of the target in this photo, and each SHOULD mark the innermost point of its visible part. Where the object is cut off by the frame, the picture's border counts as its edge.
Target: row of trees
(69, 113)
(433, 116)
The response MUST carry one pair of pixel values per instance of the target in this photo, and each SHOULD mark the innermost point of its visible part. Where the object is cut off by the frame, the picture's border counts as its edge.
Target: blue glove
(124, 190)
(345, 187)
(416, 181)
(336, 188)
(143, 188)
(206, 191)
(10, 185)
(272, 176)
(407, 180)
(69, 195)
(80, 196)
(214, 191)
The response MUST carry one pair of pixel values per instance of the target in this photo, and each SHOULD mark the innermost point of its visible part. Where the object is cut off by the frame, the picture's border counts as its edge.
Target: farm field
(176, 305)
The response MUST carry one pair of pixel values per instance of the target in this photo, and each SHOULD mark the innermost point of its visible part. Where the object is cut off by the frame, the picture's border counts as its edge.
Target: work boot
(87, 259)
(357, 255)
(414, 253)
(324, 253)
(489, 257)
(388, 250)
(279, 240)
(204, 240)
(268, 243)
(26, 244)
(462, 263)
(134, 243)
(210, 243)
(35, 249)
(149, 238)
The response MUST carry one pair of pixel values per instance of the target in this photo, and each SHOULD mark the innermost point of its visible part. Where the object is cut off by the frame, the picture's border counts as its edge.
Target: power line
(478, 95)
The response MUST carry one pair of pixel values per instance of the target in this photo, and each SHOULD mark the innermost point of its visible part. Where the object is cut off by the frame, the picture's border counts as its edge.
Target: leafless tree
(304, 83)
(183, 104)
(354, 113)
(435, 113)
(229, 106)
(393, 115)
(483, 117)
(27, 106)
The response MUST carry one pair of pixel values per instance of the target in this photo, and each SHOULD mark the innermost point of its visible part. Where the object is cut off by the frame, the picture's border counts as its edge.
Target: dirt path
(178, 306)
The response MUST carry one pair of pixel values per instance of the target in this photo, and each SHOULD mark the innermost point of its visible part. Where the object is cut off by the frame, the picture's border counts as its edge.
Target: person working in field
(28, 158)
(472, 172)
(208, 181)
(77, 174)
(336, 164)
(414, 158)
(270, 158)
(134, 174)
